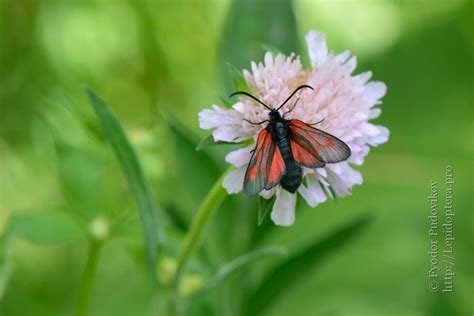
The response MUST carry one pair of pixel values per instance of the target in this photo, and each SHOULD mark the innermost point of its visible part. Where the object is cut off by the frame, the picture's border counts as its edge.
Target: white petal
(249, 79)
(369, 129)
(343, 183)
(360, 116)
(336, 168)
(343, 57)
(239, 107)
(358, 154)
(375, 89)
(240, 157)
(313, 193)
(228, 124)
(350, 65)
(234, 181)
(266, 194)
(317, 48)
(229, 133)
(339, 185)
(268, 59)
(283, 212)
(381, 137)
(322, 172)
(354, 176)
(325, 185)
(218, 117)
(364, 77)
(374, 113)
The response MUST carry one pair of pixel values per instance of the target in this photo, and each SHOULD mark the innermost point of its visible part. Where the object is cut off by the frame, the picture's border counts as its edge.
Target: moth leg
(260, 123)
(316, 122)
(291, 108)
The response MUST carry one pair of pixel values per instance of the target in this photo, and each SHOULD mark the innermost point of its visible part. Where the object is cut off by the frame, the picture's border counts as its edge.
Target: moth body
(278, 128)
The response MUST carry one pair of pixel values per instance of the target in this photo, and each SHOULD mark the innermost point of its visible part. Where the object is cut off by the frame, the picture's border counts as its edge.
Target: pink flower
(345, 102)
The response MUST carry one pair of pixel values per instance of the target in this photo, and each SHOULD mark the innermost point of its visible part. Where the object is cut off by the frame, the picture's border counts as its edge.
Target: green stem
(88, 278)
(196, 232)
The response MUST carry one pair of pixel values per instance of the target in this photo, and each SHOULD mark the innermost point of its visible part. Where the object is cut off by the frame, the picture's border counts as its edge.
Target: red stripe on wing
(277, 169)
(304, 157)
(313, 148)
(266, 166)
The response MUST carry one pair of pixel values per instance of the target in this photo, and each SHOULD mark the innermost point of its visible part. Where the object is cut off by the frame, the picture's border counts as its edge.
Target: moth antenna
(251, 96)
(297, 89)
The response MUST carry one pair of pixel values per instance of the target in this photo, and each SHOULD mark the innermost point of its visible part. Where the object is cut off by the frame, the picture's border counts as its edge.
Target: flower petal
(342, 183)
(283, 212)
(267, 194)
(240, 157)
(229, 133)
(227, 124)
(358, 154)
(374, 113)
(218, 117)
(342, 57)
(381, 137)
(312, 193)
(234, 181)
(375, 89)
(317, 48)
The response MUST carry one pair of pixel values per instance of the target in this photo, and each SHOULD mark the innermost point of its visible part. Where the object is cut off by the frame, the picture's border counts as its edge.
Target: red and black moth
(285, 146)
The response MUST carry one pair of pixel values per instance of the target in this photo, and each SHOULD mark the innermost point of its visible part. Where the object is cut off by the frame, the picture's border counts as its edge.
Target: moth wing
(314, 148)
(276, 168)
(266, 166)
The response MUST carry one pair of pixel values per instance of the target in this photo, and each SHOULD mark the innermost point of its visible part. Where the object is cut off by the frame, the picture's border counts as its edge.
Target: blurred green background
(157, 64)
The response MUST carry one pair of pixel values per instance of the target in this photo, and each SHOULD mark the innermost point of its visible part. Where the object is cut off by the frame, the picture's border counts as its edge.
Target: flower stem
(196, 232)
(88, 277)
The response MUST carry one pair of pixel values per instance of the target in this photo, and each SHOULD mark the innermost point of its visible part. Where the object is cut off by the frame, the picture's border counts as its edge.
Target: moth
(285, 146)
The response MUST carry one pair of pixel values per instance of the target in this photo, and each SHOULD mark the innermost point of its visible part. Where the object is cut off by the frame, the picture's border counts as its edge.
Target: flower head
(344, 103)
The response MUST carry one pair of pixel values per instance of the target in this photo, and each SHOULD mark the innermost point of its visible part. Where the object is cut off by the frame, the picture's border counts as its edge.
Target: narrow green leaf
(227, 102)
(298, 266)
(272, 49)
(333, 192)
(134, 175)
(46, 228)
(227, 269)
(209, 141)
(238, 81)
(329, 190)
(206, 142)
(6, 269)
(263, 207)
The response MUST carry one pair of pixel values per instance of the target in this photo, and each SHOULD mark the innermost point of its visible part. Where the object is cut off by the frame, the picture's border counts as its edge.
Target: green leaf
(272, 49)
(206, 142)
(209, 141)
(329, 190)
(6, 269)
(263, 207)
(135, 178)
(227, 269)
(238, 81)
(227, 102)
(46, 228)
(298, 266)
